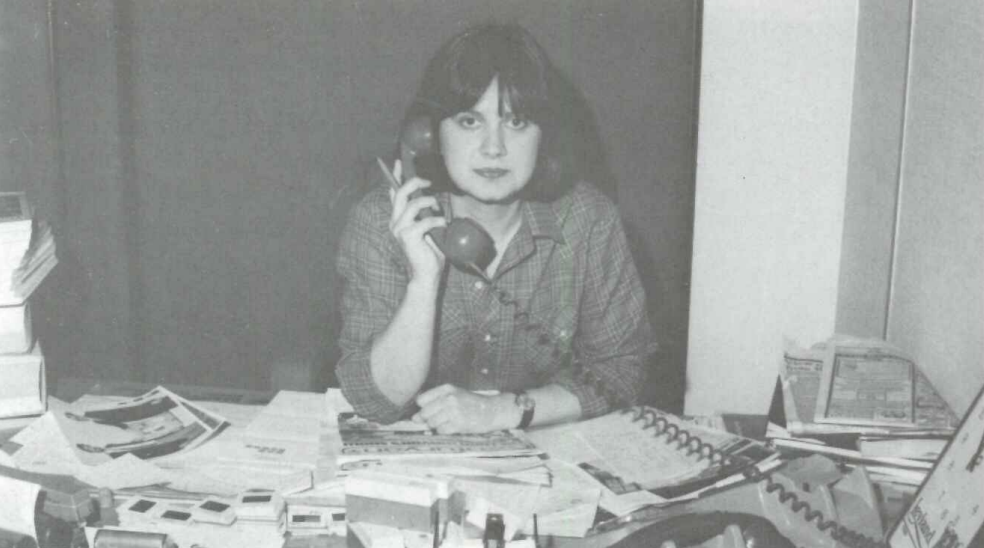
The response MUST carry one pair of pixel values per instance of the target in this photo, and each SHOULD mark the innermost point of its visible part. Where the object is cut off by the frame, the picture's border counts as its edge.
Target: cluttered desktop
(124, 464)
(859, 450)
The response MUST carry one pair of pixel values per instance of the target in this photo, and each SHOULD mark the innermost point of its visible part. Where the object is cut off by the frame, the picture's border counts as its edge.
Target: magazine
(155, 424)
(365, 443)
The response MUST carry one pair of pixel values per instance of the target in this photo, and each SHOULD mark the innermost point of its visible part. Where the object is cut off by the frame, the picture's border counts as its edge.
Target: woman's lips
(491, 173)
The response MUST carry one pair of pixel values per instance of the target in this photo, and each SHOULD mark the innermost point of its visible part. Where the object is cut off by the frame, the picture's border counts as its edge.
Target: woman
(561, 331)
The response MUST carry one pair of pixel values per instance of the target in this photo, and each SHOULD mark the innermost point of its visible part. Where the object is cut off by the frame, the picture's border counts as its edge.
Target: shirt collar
(541, 217)
(543, 221)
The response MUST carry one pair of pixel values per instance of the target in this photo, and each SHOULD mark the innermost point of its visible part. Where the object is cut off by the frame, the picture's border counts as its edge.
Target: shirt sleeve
(374, 274)
(614, 339)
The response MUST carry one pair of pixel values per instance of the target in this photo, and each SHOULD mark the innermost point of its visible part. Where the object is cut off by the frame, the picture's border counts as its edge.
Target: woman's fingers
(428, 396)
(398, 170)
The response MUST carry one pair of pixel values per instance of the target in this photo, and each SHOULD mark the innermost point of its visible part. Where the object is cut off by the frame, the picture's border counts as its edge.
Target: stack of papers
(27, 249)
(15, 238)
(860, 390)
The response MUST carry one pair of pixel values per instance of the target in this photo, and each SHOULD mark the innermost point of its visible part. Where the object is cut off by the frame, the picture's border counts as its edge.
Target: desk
(71, 389)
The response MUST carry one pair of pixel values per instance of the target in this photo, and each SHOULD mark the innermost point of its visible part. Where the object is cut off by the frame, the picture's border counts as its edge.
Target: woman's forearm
(400, 356)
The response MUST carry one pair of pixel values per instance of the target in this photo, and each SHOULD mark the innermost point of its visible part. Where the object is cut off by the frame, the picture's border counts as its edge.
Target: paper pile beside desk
(866, 402)
(27, 255)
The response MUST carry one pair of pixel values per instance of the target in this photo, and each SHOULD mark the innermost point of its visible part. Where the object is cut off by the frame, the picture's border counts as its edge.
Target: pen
(389, 176)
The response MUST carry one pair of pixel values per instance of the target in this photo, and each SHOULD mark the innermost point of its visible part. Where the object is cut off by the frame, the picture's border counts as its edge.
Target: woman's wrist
(425, 287)
(508, 414)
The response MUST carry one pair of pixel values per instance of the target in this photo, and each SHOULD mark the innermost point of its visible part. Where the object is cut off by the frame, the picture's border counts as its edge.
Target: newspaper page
(864, 386)
(155, 424)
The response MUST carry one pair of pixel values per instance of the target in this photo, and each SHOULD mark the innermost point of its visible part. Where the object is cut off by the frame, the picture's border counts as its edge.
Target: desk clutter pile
(301, 469)
(865, 402)
(27, 255)
(304, 470)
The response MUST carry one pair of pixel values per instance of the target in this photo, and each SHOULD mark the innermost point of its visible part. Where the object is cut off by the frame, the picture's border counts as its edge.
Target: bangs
(472, 63)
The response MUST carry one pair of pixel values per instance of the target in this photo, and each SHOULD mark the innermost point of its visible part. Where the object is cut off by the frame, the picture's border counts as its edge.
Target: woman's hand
(453, 410)
(426, 260)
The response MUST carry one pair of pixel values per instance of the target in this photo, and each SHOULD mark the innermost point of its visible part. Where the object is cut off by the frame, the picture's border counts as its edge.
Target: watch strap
(528, 405)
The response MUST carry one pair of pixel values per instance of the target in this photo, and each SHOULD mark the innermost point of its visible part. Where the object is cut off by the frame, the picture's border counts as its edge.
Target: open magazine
(155, 424)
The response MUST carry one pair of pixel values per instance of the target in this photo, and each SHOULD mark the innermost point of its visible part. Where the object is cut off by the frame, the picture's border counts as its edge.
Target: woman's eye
(518, 122)
(466, 121)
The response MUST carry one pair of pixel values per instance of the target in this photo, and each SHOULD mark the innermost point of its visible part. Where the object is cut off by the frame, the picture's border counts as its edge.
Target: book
(365, 443)
(16, 334)
(22, 384)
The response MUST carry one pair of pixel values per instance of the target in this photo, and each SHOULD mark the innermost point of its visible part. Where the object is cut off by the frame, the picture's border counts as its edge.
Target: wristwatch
(525, 402)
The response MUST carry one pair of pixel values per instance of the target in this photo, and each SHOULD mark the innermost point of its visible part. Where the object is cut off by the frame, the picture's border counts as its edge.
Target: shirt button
(484, 371)
(487, 337)
(479, 285)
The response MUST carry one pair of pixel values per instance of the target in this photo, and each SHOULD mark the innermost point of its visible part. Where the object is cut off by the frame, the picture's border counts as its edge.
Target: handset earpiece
(464, 242)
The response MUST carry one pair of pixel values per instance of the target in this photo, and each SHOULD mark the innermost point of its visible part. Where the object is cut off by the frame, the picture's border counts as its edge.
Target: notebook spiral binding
(693, 445)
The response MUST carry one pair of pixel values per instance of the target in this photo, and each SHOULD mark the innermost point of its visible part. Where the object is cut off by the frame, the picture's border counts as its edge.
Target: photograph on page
(155, 424)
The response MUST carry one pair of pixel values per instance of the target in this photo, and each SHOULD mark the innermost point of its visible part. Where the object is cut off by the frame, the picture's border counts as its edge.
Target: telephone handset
(465, 244)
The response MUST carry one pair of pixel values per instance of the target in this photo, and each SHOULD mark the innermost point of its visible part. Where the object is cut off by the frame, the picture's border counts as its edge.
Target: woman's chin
(492, 197)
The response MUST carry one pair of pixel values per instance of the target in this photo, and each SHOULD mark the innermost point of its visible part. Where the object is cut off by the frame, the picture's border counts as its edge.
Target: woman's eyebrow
(471, 112)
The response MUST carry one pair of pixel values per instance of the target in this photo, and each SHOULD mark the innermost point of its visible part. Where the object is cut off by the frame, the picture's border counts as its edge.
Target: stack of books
(864, 401)
(27, 255)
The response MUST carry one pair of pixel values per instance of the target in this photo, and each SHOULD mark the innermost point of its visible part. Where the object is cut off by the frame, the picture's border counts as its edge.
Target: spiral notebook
(649, 449)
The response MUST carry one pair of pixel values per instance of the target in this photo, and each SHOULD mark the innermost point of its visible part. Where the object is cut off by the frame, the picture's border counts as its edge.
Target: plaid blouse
(566, 307)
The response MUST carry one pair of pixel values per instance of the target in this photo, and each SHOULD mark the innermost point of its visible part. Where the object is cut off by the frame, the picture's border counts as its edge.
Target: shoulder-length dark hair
(461, 71)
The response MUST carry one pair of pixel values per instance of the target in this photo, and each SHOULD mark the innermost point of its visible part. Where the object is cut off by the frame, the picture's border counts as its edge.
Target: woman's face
(490, 155)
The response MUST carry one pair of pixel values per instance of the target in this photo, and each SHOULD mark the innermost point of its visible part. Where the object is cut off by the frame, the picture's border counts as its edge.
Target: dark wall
(206, 142)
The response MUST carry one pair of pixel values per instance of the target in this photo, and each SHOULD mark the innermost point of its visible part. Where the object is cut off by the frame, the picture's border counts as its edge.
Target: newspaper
(859, 386)
(155, 424)
(866, 385)
(365, 443)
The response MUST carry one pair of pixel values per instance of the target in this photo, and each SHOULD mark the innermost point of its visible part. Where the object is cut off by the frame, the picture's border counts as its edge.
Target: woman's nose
(493, 143)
